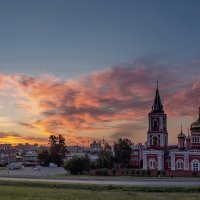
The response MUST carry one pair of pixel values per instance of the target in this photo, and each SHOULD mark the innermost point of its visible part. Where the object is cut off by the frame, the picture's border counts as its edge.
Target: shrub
(164, 173)
(194, 174)
(133, 172)
(77, 165)
(138, 172)
(142, 173)
(114, 171)
(159, 173)
(101, 172)
(148, 173)
(127, 171)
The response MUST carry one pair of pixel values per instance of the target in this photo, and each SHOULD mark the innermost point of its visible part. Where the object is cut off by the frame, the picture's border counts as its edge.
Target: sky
(88, 69)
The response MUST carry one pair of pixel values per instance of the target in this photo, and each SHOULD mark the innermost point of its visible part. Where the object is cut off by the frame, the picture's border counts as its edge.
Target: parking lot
(30, 172)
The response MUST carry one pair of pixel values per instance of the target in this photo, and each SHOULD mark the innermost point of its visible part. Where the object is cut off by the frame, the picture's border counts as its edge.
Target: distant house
(31, 156)
(95, 146)
(7, 155)
(69, 156)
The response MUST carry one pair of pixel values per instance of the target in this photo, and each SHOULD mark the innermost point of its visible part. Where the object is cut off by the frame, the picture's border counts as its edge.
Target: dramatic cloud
(186, 102)
(113, 102)
(14, 137)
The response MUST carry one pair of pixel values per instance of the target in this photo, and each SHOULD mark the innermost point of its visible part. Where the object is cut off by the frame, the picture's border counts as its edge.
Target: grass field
(28, 193)
(66, 176)
(13, 190)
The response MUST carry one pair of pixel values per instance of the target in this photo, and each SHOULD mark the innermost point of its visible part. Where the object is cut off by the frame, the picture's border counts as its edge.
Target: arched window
(155, 123)
(179, 164)
(152, 163)
(151, 139)
(169, 163)
(165, 140)
(155, 140)
(195, 165)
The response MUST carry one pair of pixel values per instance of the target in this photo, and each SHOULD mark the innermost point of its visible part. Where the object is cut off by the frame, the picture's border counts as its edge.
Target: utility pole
(8, 161)
(77, 148)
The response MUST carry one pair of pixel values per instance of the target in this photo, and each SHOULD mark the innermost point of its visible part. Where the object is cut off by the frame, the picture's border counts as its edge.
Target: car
(13, 166)
(37, 167)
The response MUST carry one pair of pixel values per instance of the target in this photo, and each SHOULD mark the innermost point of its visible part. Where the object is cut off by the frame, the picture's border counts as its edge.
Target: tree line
(117, 157)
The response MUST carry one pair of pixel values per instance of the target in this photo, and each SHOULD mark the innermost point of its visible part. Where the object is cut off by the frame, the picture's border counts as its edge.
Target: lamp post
(8, 161)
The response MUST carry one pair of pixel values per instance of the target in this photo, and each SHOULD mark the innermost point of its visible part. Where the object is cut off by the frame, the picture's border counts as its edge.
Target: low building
(92, 157)
(30, 156)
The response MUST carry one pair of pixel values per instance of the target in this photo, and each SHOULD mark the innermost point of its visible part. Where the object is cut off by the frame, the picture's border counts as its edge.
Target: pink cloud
(95, 101)
(185, 102)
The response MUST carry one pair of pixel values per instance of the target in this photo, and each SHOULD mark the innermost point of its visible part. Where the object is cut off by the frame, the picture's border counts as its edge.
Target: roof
(157, 104)
(181, 135)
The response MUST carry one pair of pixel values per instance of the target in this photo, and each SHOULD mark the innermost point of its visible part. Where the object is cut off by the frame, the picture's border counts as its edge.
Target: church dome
(181, 135)
(195, 127)
(188, 137)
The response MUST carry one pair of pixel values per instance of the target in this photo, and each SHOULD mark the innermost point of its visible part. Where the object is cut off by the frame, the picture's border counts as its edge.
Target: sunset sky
(88, 68)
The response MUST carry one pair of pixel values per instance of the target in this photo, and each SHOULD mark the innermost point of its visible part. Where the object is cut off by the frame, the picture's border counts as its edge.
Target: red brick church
(158, 155)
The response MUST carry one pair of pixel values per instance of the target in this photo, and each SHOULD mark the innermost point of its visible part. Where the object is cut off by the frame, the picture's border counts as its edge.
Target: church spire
(157, 105)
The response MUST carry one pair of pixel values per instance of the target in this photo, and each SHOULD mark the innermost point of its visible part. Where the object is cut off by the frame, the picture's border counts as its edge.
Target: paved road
(144, 182)
(30, 172)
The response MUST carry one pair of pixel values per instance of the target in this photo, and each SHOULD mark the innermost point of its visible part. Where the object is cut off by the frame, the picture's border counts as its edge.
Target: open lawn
(28, 193)
(12, 190)
(82, 177)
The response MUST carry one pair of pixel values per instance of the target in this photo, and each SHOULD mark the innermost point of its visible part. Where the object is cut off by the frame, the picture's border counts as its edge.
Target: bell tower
(157, 136)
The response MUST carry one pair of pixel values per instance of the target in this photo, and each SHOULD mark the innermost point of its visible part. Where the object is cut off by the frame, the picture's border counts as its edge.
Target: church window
(179, 164)
(165, 140)
(155, 140)
(151, 139)
(195, 165)
(158, 139)
(155, 123)
(169, 163)
(152, 163)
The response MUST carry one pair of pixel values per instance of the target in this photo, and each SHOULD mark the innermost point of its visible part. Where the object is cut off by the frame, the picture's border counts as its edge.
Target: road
(143, 182)
(29, 172)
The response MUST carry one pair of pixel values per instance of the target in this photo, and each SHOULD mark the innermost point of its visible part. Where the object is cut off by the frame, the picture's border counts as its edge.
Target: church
(158, 155)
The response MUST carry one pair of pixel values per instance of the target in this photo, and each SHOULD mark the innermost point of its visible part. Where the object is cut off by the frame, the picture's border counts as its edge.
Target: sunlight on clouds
(5, 121)
(110, 102)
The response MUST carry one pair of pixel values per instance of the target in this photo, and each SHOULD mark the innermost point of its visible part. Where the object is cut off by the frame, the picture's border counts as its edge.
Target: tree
(57, 149)
(122, 152)
(86, 163)
(106, 158)
(44, 157)
(78, 165)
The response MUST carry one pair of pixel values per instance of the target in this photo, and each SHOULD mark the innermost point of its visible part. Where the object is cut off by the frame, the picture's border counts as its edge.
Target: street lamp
(8, 161)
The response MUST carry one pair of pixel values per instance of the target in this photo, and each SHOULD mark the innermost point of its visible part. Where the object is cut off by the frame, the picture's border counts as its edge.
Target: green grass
(40, 193)
(92, 187)
(93, 177)
(28, 190)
